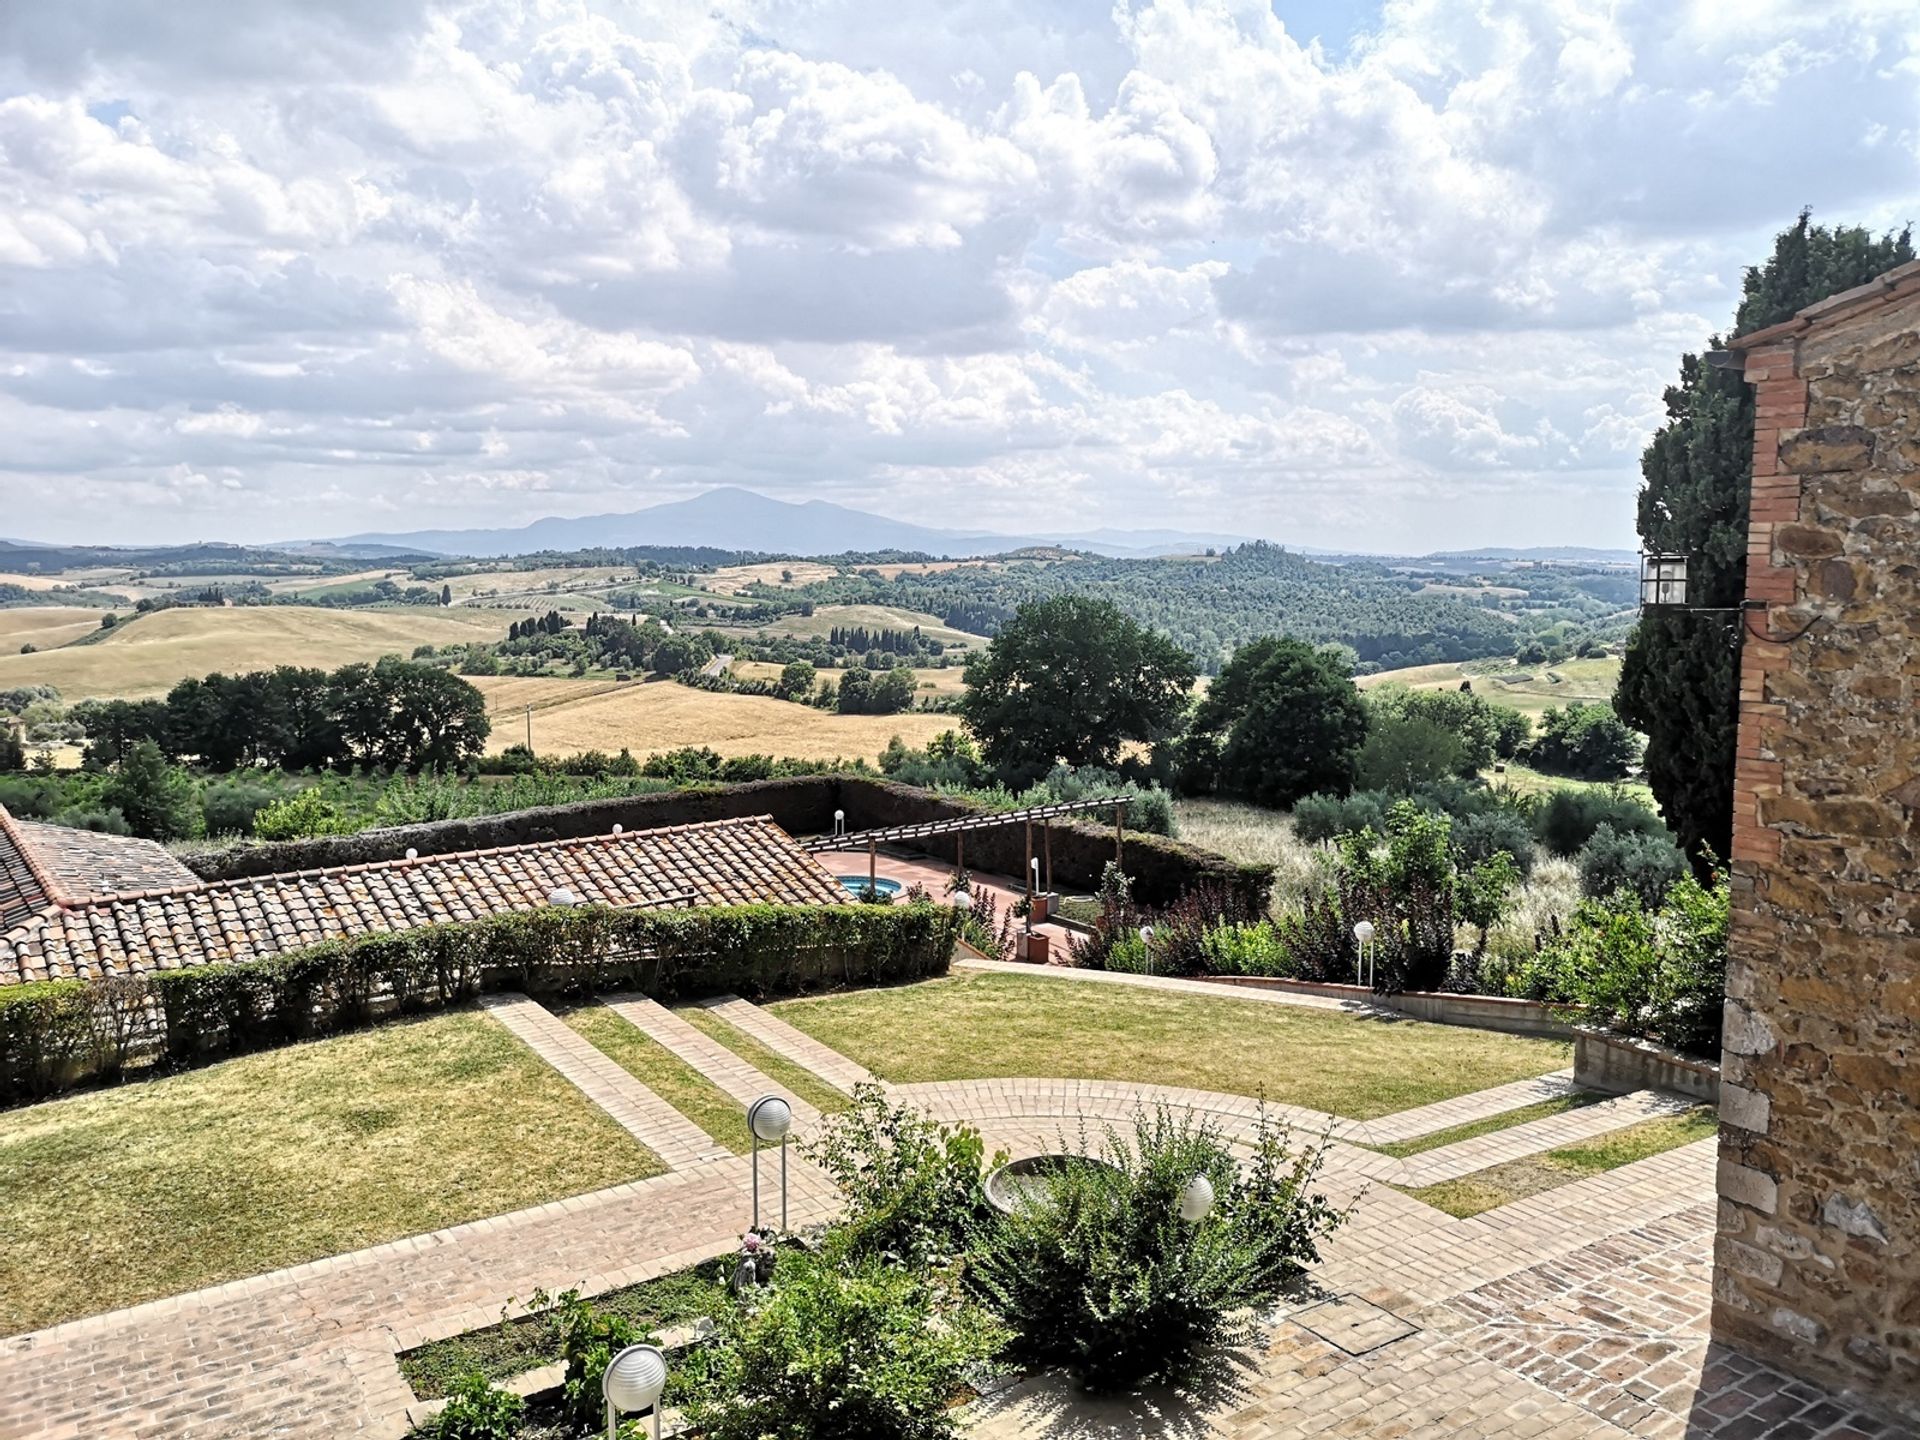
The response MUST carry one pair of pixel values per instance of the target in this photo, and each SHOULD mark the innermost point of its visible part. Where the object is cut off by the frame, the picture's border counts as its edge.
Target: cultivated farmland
(148, 654)
(1527, 688)
(648, 717)
(44, 625)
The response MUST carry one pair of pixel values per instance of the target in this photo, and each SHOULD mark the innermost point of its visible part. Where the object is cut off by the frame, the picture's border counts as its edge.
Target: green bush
(301, 816)
(1480, 837)
(1645, 865)
(1588, 742)
(231, 805)
(842, 1349)
(912, 1188)
(1566, 822)
(476, 1411)
(1659, 974)
(1101, 1276)
(1253, 948)
(1322, 817)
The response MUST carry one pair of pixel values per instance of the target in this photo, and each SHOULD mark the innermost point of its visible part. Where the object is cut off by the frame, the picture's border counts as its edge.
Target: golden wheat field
(732, 579)
(647, 717)
(874, 617)
(147, 655)
(45, 625)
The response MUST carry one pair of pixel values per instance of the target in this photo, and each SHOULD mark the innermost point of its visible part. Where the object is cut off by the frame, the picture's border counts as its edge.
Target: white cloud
(287, 269)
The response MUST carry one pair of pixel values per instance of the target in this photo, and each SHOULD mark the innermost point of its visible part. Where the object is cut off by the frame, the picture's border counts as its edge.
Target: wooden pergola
(960, 826)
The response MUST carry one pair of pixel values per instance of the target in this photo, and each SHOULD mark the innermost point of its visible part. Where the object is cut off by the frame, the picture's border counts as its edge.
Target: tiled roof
(42, 865)
(726, 862)
(1896, 284)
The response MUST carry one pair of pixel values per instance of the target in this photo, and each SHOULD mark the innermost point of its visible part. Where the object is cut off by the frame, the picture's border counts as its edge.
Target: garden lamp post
(1196, 1200)
(562, 898)
(768, 1120)
(839, 822)
(1363, 955)
(634, 1380)
(1146, 945)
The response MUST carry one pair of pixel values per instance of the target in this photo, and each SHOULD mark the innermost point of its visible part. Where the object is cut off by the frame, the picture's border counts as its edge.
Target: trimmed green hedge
(56, 1034)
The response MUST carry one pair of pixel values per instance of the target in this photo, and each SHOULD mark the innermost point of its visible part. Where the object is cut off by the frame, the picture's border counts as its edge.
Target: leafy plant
(912, 1188)
(1102, 1276)
(1646, 865)
(476, 1410)
(852, 1350)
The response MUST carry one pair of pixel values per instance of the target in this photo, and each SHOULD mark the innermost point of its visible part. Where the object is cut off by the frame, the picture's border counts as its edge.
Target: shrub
(1247, 949)
(100, 822)
(1495, 832)
(849, 1350)
(1322, 817)
(912, 1188)
(1589, 742)
(156, 798)
(1661, 975)
(1102, 1276)
(589, 1339)
(231, 805)
(1647, 866)
(300, 816)
(476, 1410)
(1317, 941)
(1568, 819)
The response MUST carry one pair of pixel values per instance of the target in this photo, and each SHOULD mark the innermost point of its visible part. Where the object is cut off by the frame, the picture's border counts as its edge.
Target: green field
(1528, 689)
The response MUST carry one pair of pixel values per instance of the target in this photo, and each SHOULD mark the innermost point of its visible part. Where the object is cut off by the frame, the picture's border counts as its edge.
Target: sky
(1396, 277)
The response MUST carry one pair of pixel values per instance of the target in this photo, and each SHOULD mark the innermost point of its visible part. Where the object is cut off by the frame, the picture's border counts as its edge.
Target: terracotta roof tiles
(727, 862)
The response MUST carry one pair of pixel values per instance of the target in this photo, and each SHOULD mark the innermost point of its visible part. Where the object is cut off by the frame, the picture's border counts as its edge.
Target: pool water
(856, 885)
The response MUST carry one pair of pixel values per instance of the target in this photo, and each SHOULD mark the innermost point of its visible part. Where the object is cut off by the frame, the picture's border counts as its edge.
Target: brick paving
(796, 1045)
(1576, 1313)
(645, 1116)
(1463, 1157)
(707, 1055)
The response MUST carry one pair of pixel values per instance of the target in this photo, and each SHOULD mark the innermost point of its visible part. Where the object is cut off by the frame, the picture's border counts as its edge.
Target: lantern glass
(1663, 582)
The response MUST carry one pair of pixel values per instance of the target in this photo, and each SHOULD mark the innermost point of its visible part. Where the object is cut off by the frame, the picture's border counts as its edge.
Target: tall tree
(1677, 684)
(1282, 721)
(1071, 679)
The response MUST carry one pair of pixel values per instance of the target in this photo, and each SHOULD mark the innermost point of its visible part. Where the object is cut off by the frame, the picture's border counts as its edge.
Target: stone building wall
(1818, 1260)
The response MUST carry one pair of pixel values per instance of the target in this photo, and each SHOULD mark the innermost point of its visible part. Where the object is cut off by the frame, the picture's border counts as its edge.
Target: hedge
(56, 1034)
(1163, 870)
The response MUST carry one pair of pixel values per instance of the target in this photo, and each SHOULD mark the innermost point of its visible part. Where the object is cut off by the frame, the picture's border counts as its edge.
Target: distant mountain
(1544, 554)
(739, 519)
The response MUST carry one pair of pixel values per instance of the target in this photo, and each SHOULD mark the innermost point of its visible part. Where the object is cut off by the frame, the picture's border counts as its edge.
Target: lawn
(775, 1066)
(976, 1026)
(267, 1160)
(1503, 1184)
(664, 1073)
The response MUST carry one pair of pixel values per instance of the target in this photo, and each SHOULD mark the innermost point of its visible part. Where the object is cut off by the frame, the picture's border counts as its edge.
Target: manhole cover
(1354, 1325)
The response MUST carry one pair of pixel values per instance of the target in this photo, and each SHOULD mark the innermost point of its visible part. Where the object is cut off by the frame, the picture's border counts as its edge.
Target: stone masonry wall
(1818, 1259)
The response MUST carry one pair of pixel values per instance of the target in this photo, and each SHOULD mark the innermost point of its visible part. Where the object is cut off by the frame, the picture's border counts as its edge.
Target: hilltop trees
(1071, 680)
(1283, 720)
(1677, 685)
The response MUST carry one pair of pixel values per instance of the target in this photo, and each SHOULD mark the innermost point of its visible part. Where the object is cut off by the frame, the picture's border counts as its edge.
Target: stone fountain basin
(1021, 1183)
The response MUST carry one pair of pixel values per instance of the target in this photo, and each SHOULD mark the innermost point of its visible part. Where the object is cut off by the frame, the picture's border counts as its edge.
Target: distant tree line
(395, 715)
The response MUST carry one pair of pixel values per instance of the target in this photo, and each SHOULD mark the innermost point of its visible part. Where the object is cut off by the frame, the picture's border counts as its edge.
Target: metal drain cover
(1354, 1325)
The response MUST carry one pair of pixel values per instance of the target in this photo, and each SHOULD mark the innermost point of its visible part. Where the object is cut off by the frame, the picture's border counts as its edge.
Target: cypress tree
(1677, 683)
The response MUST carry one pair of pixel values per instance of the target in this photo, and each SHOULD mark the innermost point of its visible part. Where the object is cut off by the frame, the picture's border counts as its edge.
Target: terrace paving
(1580, 1312)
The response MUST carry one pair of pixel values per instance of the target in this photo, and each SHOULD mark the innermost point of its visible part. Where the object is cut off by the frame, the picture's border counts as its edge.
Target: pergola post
(1028, 876)
(1046, 844)
(1119, 843)
(873, 862)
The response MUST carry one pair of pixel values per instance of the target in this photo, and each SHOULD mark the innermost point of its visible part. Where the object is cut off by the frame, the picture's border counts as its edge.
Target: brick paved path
(1575, 1313)
(796, 1045)
(707, 1055)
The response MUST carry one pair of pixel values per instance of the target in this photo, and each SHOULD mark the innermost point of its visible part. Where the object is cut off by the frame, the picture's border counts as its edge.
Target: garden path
(1576, 1313)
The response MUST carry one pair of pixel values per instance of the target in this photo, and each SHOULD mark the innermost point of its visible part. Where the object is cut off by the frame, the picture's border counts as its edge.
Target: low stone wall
(1480, 1012)
(1621, 1064)
(1162, 869)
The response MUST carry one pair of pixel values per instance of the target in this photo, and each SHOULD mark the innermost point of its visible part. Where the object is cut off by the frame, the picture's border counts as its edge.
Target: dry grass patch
(268, 1160)
(1499, 1185)
(978, 1026)
(664, 1073)
(655, 716)
(45, 626)
(150, 654)
(781, 574)
(874, 617)
(1252, 835)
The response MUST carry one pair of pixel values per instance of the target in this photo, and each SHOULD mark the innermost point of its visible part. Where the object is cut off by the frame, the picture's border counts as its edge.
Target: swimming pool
(856, 885)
